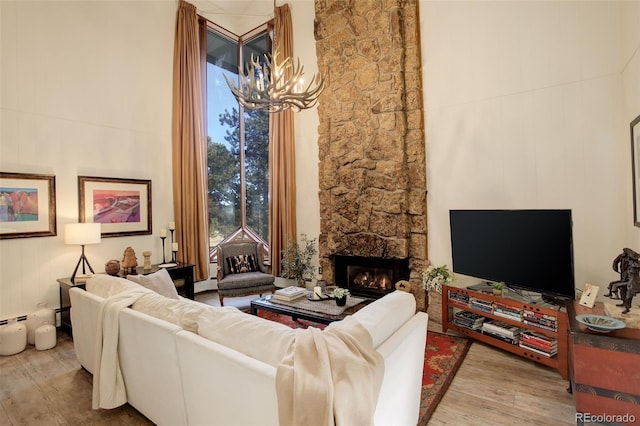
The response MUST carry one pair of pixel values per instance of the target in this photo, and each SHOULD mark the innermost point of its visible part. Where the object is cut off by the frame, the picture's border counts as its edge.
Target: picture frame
(635, 168)
(27, 205)
(122, 206)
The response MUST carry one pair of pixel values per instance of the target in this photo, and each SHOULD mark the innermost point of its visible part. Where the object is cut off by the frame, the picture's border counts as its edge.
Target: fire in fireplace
(369, 276)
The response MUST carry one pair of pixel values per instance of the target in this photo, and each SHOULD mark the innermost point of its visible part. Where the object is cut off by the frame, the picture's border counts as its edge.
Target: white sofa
(174, 375)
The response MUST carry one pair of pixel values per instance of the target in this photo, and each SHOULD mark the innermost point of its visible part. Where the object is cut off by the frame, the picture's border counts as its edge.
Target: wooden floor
(492, 387)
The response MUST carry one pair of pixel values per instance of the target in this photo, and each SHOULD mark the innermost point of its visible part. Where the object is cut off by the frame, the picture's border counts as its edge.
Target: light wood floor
(492, 387)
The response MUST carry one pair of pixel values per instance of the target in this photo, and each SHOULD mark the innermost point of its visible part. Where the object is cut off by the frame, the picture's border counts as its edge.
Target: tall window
(238, 143)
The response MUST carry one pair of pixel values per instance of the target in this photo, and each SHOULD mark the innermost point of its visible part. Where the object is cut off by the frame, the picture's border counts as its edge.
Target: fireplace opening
(369, 276)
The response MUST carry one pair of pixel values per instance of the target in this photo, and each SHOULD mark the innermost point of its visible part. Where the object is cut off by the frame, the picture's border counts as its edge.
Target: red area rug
(442, 358)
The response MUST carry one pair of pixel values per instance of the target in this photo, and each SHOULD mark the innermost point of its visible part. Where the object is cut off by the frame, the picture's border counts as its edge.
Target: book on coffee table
(290, 293)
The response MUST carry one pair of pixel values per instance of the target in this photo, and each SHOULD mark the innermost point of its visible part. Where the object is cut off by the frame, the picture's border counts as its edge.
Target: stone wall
(371, 134)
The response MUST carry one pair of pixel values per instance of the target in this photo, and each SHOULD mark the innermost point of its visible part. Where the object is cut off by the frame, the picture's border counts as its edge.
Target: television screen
(525, 249)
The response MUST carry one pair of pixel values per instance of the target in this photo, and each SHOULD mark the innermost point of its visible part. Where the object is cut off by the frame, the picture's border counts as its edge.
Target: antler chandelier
(267, 88)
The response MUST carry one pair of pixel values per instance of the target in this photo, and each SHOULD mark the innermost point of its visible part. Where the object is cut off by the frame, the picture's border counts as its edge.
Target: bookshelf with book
(531, 331)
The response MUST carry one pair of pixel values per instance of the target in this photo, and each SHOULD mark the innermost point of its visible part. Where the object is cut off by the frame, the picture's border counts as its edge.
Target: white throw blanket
(330, 377)
(108, 385)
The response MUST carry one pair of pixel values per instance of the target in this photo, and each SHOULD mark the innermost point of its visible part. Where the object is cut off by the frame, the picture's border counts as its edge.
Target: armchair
(241, 271)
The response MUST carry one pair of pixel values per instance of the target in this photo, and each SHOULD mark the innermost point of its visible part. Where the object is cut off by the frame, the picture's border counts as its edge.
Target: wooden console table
(604, 369)
(182, 275)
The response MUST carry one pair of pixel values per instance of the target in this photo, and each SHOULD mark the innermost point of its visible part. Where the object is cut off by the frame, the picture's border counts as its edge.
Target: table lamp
(82, 234)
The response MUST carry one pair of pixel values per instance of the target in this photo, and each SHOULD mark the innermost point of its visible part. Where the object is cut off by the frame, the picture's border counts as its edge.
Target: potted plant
(296, 260)
(497, 288)
(433, 278)
(340, 295)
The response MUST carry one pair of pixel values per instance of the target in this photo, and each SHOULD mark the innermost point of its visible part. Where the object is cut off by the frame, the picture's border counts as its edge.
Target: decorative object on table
(129, 260)
(635, 170)
(147, 260)
(317, 292)
(322, 284)
(289, 293)
(296, 260)
(122, 206)
(600, 323)
(588, 297)
(45, 336)
(341, 294)
(498, 288)
(13, 337)
(627, 264)
(43, 314)
(112, 267)
(27, 205)
(163, 236)
(82, 234)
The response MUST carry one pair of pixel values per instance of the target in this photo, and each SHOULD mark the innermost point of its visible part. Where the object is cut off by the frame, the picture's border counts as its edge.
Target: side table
(182, 275)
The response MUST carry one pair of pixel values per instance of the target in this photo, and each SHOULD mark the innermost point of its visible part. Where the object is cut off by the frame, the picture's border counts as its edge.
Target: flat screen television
(526, 249)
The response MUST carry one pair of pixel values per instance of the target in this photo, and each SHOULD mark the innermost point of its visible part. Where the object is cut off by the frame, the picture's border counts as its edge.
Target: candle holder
(164, 260)
(172, 231)
(173, 256)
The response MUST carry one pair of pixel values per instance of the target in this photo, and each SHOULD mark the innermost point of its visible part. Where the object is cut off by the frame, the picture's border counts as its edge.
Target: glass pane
(223, 140)
(257, 171)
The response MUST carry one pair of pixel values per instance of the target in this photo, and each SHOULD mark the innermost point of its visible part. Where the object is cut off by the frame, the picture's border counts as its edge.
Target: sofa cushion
(385, 315)
(183, 312)
(160, 282)
(242, 263)
(261, 339)
(106, 285)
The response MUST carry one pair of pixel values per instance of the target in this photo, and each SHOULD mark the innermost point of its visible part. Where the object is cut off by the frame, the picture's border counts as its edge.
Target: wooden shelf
(558, 362)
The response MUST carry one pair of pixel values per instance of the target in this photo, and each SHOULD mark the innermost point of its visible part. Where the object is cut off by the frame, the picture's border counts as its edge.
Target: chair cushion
(242, 263)
(245, 280)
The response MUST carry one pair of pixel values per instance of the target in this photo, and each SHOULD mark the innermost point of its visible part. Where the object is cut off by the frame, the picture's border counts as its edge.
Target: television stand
(553, 300)
(548, 322)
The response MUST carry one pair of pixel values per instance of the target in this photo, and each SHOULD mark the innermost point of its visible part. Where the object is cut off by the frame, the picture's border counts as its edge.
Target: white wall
(527, 106)
(85, 90)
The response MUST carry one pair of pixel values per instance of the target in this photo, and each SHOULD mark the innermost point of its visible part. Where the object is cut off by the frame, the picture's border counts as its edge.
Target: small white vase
(13, 337)
(45, 336)
(35, 319)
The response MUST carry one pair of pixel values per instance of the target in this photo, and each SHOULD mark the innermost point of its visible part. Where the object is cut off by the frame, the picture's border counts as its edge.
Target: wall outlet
(319, 270)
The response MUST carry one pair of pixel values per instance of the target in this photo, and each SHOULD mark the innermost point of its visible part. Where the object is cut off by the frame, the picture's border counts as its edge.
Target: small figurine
(129, 260)
(627, 264)
(147, 260)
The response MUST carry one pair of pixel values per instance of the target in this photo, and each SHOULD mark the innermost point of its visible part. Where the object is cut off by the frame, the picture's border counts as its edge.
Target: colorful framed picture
(635, 168)
(27, 205)
(122, 206)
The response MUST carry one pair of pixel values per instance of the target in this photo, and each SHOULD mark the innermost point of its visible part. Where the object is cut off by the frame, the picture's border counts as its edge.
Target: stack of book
(289, 293)
(468, 320)
(506, 311)
(481, 305)
(539, 343)
(459, 297)
(501, 330)
(537, 319)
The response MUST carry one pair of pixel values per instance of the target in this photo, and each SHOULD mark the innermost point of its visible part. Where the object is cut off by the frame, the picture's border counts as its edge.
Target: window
(237, 143)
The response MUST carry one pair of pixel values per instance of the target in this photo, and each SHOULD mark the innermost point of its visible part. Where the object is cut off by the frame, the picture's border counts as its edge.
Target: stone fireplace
(372, 168)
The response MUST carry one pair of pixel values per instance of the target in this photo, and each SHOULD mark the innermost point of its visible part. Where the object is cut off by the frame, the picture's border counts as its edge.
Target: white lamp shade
(82, 233)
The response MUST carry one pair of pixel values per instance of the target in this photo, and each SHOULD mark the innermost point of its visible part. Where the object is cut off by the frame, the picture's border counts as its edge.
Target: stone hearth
(371, 135)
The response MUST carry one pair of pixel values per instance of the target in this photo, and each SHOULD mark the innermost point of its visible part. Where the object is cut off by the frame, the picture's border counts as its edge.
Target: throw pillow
(242, 263)
(160, 282)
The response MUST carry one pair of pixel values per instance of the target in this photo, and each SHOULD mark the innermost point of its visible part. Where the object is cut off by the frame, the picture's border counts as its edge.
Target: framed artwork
(27, 205)
(635, 169)
(122, 206)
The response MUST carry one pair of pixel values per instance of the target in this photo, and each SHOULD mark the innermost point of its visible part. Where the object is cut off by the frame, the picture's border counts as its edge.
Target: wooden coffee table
(265, 304)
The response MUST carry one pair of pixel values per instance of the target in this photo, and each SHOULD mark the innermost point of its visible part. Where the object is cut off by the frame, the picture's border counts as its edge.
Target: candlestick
(174, 251)
(164, 260)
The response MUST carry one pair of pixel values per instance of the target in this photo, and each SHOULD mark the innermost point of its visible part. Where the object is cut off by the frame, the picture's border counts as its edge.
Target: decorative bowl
(600, 323)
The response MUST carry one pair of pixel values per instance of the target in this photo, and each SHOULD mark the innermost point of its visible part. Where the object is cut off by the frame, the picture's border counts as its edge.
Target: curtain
(189, 144)
(282, 184)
